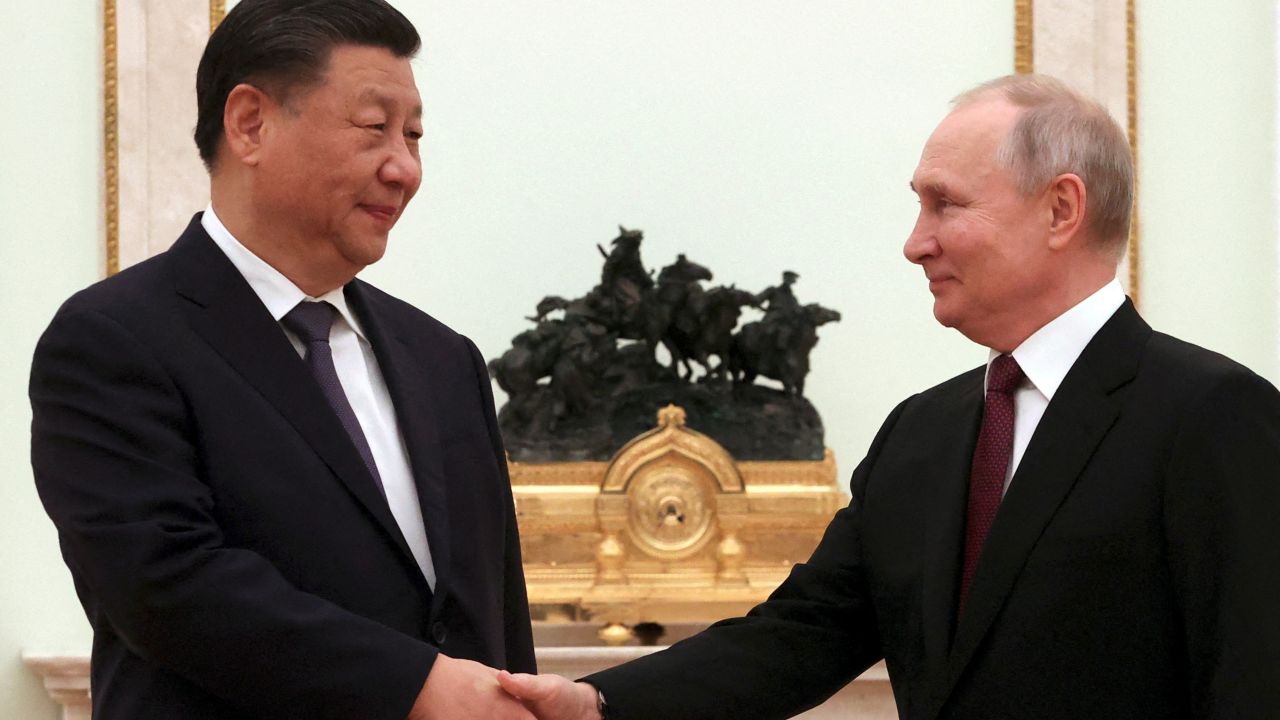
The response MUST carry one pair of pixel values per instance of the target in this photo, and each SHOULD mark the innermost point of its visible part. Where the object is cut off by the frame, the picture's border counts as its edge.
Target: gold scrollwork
(111, 134)
(672, 437)
(670, 513)
(665, 532)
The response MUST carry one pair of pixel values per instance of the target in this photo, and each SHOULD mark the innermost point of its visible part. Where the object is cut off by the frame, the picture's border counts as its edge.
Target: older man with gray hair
(1084, 527)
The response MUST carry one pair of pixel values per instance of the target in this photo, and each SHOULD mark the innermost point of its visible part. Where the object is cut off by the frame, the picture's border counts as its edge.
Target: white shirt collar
(1047, 356)
(276, 291)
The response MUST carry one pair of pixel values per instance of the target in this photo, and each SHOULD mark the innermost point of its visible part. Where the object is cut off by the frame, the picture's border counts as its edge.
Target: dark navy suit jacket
(231, 550)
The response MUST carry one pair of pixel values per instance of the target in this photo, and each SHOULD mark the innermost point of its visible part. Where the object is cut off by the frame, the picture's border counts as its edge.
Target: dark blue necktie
(311, 322)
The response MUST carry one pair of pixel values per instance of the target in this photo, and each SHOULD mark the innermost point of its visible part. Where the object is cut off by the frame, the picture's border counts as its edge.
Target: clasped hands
(465, 690)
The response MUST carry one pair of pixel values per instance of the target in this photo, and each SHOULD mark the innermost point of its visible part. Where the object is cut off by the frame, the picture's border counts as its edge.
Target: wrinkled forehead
(393, 98)
(371, 75)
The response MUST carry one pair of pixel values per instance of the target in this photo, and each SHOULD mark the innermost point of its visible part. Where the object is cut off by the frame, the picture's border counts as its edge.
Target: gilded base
(672, 529)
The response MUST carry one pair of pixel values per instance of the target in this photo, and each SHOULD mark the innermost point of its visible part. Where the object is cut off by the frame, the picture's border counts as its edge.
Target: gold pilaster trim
(1024, 62)
(111, 134)
(1023, 37)
(217, 11)
(111, 122)
(1131, 50)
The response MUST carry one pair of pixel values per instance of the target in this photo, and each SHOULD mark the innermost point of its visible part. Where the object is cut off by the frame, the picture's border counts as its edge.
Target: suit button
(439, 631)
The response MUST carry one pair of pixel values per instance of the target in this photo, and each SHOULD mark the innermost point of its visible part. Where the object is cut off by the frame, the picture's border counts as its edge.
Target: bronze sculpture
(582, 384)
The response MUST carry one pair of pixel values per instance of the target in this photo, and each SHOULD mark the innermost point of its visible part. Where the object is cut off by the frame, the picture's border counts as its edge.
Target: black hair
(282, 45)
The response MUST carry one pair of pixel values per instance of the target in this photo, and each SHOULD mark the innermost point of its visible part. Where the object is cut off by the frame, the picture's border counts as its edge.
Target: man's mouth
(937, 280)
(384, 213)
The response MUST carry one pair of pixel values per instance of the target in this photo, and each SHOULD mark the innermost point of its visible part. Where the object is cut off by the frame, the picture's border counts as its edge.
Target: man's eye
(414, 135)
(376, 126)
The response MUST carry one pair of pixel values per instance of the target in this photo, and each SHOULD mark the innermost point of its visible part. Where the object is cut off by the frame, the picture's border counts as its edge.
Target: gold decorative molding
(671, 436)
(1131, 65)
(671, 529)
(1024, 62)
(111, 134)
(1023, 37)
(217, 11)
(111, 122)
(777, 475)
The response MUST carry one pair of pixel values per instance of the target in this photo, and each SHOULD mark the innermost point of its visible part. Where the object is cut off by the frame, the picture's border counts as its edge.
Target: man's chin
(365, 251)
(944, 315)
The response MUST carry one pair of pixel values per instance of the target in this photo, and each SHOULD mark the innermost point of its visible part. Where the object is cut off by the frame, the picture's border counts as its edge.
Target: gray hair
(1063, 131)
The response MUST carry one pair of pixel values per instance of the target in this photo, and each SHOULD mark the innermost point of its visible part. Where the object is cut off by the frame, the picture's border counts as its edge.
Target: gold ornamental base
(672, 529)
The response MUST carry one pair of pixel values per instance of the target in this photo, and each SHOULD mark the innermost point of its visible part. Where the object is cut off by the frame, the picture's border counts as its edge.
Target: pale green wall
(754, 136)
(1207, 132)
(50, 63)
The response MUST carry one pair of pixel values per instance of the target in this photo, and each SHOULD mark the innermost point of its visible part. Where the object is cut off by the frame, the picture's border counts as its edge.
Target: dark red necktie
(990, 464)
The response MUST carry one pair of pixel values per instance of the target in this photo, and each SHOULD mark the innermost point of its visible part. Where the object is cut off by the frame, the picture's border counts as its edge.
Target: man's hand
(552, 697)
(465, 690)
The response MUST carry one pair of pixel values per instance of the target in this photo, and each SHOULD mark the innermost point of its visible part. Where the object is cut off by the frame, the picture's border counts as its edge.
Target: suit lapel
(227, 314)
(418, 402)
(946, 513)
(1075, 422)
(961, 413)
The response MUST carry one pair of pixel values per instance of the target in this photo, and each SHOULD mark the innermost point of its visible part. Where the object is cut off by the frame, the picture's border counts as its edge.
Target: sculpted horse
(756, 349)
(532, 357)
(650, 319)
(570, 352)
(696, 334)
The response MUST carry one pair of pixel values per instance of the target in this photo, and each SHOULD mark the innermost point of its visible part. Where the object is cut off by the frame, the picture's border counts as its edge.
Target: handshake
(465, 690)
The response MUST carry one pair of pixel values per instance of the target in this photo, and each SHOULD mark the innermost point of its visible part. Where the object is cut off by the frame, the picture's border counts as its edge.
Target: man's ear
(242, 120)
(1068, 200)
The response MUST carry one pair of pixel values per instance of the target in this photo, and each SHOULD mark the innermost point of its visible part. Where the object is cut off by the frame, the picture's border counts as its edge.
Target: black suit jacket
(1132, 571)
(231, 550)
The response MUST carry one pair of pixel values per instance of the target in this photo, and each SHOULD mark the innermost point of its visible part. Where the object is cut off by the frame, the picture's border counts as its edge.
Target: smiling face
(983, 245)
(339, 162)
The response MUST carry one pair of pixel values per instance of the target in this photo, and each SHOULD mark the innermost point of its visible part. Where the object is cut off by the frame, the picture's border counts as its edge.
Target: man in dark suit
(280, 491)
(1086, 529)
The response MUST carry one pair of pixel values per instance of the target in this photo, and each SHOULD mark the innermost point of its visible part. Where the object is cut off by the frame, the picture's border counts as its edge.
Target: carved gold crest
(671, 529)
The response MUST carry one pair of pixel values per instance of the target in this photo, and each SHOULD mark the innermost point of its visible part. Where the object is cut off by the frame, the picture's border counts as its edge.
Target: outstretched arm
(813, 635)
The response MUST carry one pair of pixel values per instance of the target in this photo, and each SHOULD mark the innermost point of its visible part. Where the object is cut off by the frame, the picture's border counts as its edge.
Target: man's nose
(402, 167)
(921, 243)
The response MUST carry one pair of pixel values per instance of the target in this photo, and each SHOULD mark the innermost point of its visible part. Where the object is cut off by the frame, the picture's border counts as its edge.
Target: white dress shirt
(1047, 356)
(361, 380)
